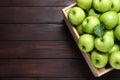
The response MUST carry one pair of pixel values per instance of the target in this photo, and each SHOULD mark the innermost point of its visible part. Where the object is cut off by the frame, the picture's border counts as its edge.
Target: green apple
(117, 32)
(102, 5)
(115, 5)
(114, 48)
(93, 12)
(86, 43)
(89, 23)
(99, 59)
(111, 33)
(79, 29)
(109, 19)
(76, 15)
(104, 43)
(118, 18)
(114, 60)
(84, 4)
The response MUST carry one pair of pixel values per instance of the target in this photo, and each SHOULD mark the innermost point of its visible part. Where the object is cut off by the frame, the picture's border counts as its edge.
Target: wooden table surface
(35, 43)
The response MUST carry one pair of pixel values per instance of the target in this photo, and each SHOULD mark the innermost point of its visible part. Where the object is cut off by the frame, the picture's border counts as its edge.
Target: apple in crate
(99, 59)
(93, 12)
(117, 32)
(84, 4)
(104, 43)
(110, 19)
(86, 42)
(119, 18)
(76, 15)
(111, 33)
(79, 29)
(102, 5)
(115, 5)
(114, 60)
(114, 48)
(89, 23)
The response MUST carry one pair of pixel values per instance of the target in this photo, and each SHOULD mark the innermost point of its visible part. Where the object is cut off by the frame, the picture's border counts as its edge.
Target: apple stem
(97, 61)
(73, 12)
(102, 39)
(83, 47)
(117, 62)
(112, 6)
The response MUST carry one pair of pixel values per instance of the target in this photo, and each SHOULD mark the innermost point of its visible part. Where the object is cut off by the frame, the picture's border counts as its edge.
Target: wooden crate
(96, 72)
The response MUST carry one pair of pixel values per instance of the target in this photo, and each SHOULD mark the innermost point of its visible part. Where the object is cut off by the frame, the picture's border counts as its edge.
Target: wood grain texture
(44, 68)
(43, 78)
(35, 3)
(34, 32)
(58, 78)
(58, 68)
(35, 43)
(31, 15)
(39, 50)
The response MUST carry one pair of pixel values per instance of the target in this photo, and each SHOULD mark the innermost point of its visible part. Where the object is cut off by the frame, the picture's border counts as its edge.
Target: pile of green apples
(98, 24)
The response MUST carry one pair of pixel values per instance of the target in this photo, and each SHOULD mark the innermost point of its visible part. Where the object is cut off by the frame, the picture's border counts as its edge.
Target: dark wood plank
(43, 78)
(31, 15)
(87, 78)
(50, 68)
(38, 49)
(34, 32)
(36, 2)
(44, 68)
(60, 78)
